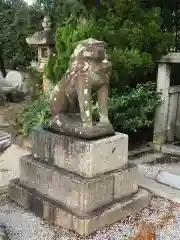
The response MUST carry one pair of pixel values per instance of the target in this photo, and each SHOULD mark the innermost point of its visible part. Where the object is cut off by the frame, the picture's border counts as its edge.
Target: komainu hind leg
(59, 100)
(102, 96)
(83, 87)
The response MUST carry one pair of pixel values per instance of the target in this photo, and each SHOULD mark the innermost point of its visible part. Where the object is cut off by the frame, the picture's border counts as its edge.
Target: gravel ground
(161, 219)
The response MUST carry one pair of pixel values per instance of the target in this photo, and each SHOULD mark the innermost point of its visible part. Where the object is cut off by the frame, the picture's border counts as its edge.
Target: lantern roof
(45, 37)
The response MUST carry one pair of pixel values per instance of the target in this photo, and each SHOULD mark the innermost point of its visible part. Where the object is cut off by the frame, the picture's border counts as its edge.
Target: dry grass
(11, 113)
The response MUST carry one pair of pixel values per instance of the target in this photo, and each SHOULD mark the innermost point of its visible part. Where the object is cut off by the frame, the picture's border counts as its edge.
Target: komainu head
(90, 49)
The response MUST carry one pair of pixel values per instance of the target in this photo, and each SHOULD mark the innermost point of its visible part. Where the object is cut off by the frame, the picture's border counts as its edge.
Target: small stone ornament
(88, 73)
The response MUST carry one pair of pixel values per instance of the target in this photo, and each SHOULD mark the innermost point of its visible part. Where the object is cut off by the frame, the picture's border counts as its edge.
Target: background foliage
(33, 83)
(135, 42)
(138, 32)
(127, 112)
(134, 108)
(18, 20)
(34, 114)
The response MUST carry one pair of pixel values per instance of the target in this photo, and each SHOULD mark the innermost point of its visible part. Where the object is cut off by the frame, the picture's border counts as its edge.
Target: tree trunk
(2, 68)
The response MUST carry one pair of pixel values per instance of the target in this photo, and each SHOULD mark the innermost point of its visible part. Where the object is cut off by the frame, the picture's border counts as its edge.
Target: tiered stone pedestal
(78, 184)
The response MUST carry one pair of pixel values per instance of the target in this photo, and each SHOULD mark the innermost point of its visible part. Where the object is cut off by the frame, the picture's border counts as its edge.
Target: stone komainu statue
(88, 72)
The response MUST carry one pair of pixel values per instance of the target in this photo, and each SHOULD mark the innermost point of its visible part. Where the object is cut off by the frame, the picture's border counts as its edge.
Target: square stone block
(57, 214)
(78, 194)
(83, 157)
(125, 183)
(111, 214)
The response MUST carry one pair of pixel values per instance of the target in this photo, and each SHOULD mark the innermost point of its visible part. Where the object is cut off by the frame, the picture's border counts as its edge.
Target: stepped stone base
(57, 214)
(79, 194)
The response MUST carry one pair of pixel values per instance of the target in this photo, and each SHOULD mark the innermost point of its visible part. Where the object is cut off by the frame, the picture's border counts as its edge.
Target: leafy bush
(35, 113)
(135, 41)
(49, 69)
(34, 82)
(66, 37)
(134, 108)
(128, 112)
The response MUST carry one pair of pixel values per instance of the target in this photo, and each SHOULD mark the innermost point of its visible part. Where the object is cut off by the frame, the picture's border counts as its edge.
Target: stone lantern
(45, 42)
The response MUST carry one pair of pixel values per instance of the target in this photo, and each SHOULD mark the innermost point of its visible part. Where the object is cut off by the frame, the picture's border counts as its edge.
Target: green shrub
(49, 69)
(134, 108)
(128, 112)
(35, 113)
(135, 42)
(66, 37)
(34, 82)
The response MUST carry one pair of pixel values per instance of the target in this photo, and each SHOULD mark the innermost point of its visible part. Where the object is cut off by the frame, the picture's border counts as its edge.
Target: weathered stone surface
(9, 165)
(125, 182)
(57, 214)
(79, 194)
(75, 128)
(169, 178)
(170, 149)
(161, 113)
(18, 194)
(45, 37)
(88, 73)
(86, 158)
(159, 189)
(172, 116)
(112, 213)
(42, 145)
(147, 158)
(135, 153)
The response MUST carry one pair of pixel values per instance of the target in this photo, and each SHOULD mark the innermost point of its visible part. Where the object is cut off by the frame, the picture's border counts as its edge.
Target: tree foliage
(136, 40)
(18, 20)
(134, 36)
